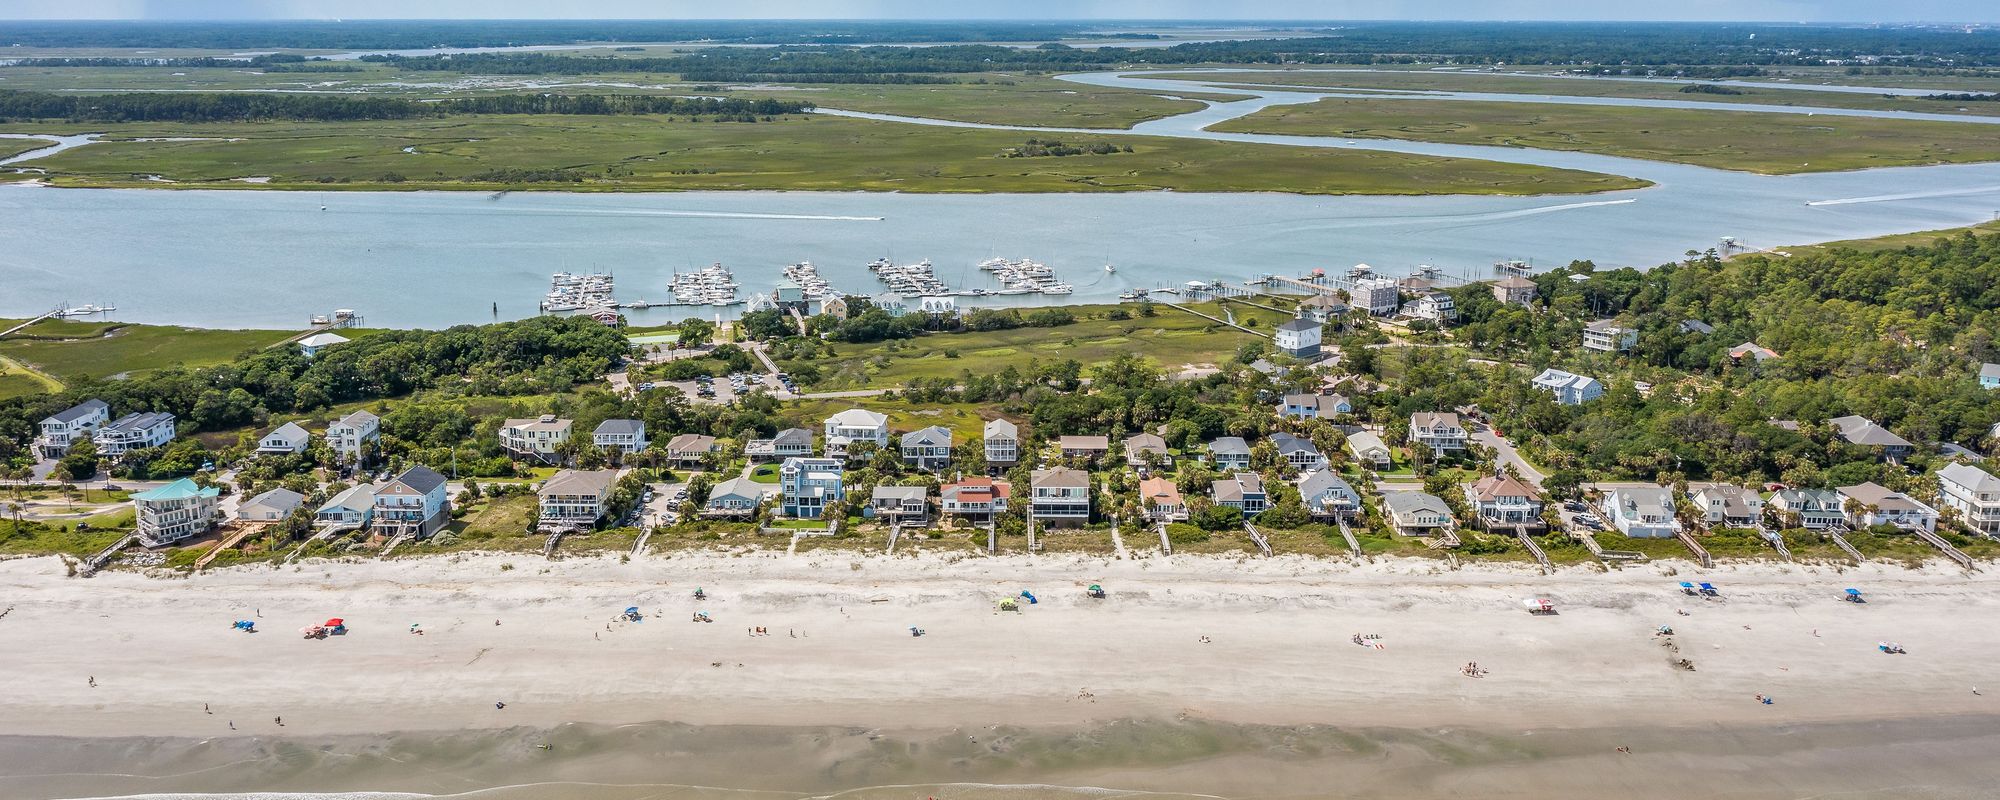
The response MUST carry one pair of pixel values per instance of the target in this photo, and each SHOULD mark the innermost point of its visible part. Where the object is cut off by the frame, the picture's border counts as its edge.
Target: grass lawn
(1096, 541)
(499, 524)
(1572, 87)
(1748, 141)
(19, 381)
(964, 419)
(14, 147)
(765, 473)
(67, 349)
(30, 538)
(1312, 540)
(1171, 339)
(651, 153)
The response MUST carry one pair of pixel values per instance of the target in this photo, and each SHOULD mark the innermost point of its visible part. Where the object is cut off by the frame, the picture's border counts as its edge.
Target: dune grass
(1759, 142)
(649, 153)
(71, 350)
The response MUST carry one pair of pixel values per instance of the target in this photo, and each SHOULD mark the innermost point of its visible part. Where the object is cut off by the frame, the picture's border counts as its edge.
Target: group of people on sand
(1472, 670)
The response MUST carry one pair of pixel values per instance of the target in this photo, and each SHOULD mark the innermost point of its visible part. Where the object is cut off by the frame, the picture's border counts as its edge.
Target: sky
(1761, 10)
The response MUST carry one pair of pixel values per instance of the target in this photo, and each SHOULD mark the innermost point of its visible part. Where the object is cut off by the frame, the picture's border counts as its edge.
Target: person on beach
(204, 709)
(93, 681)
(232, 724)
(279, 720)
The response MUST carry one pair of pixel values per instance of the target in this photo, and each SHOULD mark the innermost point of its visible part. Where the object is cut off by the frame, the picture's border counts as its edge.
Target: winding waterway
(406, 259)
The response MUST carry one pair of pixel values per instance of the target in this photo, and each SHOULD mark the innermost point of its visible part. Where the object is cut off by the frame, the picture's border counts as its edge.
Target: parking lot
(664, 507)
(1579, 516)
(725, 389)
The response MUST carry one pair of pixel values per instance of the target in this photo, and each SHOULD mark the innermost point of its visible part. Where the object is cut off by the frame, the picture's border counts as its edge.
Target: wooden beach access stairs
(1347, 533)
(1956, 555)
(1257, 538)
(96, 562)
(1701, 555)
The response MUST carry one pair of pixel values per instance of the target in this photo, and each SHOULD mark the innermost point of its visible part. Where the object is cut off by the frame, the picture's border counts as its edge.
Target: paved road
(1505, 451)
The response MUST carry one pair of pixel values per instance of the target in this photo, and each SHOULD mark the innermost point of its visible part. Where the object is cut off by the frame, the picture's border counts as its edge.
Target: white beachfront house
(412, 504)
(176, 511)
(574, 499)
(1229, 453)
(1974, 492)
(352, 433)
(1060, 496)
(974, 497)
(854, 426)
(789, 443)
(1367, 447)
(1298, 451)
(286, 439)
(1439, 431)
(1569, 388)
(71, 425)
(541, 438)
(1326, 494)
(270, 506)
(908, 505)
(1813, 509)
(1723, 505)
(1003, 444)
(626, 436)
(1642, 512)
(1874, 504)
(311, 345)
(134, 432)
(1299, 338)
(1415, 513)
(1504, 502)
(1607, 336)
(929, 448)
(807, 485)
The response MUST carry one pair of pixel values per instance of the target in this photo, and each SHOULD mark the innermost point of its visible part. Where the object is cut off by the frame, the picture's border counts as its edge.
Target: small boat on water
(1110, 268)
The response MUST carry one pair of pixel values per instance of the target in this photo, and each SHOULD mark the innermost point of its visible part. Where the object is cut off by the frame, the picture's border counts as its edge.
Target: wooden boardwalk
(1845, 546)
(1700, 553)
(1257, 536)
(1353, 544)
(1534, 549)
(18, 328)
(225, 543)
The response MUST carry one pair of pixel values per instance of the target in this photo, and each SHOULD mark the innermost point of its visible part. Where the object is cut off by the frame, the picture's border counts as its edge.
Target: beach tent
(1539, 605)
(1008, 604)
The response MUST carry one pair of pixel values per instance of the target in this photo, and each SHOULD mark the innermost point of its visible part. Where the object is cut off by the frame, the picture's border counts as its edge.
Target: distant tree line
(1041, 148)
(251, 107)
(1709, 88)
(1963, 97)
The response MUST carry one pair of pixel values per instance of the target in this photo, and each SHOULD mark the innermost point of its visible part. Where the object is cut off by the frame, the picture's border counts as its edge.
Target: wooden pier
(18, 328)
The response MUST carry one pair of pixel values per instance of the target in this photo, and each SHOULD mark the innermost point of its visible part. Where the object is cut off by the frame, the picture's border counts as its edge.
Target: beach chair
(1853, 596)
(1708, 590)
(1688, 589)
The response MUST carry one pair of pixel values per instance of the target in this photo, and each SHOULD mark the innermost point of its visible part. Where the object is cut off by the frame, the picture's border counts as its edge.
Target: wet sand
(1120, 693)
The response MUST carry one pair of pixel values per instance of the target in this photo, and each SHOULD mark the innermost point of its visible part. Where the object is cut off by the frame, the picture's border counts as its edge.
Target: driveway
(1504, 450)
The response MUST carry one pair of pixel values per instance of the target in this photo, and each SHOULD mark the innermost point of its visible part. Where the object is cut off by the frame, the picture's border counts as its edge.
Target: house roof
(585, 482)
(1644, 496)
(80, 410)
(1553, 378)
(182, 489)
(859, 418)
(359, 419)
(900, 493)
(323, 339)
(538, 424)
(1401, 503)
(1736, 500)
(1696, 326)
(138, 421)
(933, 435)
(631, 427)
(1288, 444)
(1435, 419)
(1238, 486)
(1364, 441)
(1229, 446)
(1856, 429)
(1514, 282)
(1001, 427)
(280, 499)
(736, 487)
(1879, 496)
(1752, 349)
(1325, 301)
(420, 479)
(1971, 477)
(1605, 325)
(793, 436)
(1494, 487)
(691, 441)
(1319, 482)
(354, 498)
(289, 431)
(1061, 478)
(976, 488)
(1298, 325)
(1160, 492)
(1989, 371)
(1085, 442)
(1827, 499)
(1143, 442)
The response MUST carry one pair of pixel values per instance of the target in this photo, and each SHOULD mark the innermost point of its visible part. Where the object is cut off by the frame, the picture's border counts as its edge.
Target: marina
(811, 285)
(713, 285)
(909, 280)
(1027, 277)
(571, 292)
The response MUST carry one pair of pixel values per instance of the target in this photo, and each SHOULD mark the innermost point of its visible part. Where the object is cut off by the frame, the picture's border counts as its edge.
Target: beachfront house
(1298, 451)
(1870, 504)
(1607, 336)
(1229, 453)
(1569, 388)
(1162, 500)
(1327, 495)
(736, 497)
(353, 432)
(1514, 290)
(1439, 431)
(1812, 509)
(1504, 502)
(928, 449)
(412, 504)
(174, 512)
(1003, 444)
(854, 426)
(1060, 496)
(136, 431)
(807, 485)
(1243, 491)
(1863, 432)
(348, 511)
(1380, 296)
(624, 436)
(69, 426)
(271, 506)
(1723, 505)
(789, 443)
(1298, 338)
(1314, 406)
(691, 450)
(908, 505)
(574, 499)
(1974, 492)
(1432, 306)
(1367, 448)
(1415, 513)
(540, 439)
(287, 439)
(1085, 447)
(312, 345)
(1322, 308)
(975, 498)
(1989, 376)
(1642, 512)
(1146, 448)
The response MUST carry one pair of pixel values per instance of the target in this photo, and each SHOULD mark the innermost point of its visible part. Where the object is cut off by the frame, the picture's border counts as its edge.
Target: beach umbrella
(336, 622)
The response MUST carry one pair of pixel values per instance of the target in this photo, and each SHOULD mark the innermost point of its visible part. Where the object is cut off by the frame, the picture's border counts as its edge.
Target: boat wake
(633, 212)
(1885, 198)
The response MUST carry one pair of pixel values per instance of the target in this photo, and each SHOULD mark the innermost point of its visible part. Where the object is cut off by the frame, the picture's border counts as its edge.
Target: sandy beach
(1236, 648)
